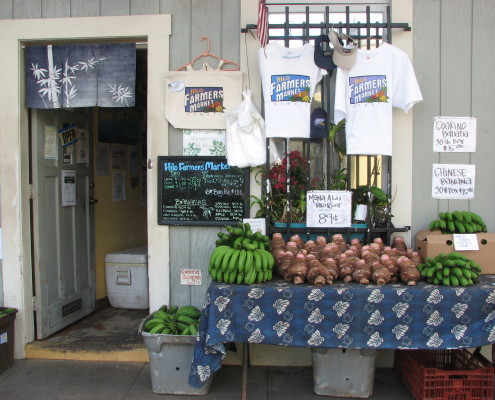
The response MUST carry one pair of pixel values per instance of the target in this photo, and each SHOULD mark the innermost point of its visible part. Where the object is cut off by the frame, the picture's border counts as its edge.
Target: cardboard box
(431, 243)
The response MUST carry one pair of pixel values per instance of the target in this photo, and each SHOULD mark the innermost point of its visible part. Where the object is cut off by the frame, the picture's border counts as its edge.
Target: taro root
(284, 263)
(346, 268)
(356, 243)
(408, 272)
(391, 265)
(312, 248)
(292, 247)
(277, 242)
(378, 242)
(415, 258)
(362, 272)
(318, 274)
(338, 239)
(370, 257)
(399, 244)
(333, 269)
(331, 250)
(297, 270)
(381, 275)
(297, 240)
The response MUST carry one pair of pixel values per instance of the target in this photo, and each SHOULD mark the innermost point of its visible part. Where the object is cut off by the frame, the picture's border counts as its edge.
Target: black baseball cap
(318, 127)
(324, 58)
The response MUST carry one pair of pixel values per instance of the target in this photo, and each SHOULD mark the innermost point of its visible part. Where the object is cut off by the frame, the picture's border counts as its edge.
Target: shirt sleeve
(407, 92)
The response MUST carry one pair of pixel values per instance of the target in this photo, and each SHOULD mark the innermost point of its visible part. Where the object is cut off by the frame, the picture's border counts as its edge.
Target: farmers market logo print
(368, 89)
(204, 99)
(290, 88)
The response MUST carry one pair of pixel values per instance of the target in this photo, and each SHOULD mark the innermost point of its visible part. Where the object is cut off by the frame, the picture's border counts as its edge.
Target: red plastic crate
(445, 374)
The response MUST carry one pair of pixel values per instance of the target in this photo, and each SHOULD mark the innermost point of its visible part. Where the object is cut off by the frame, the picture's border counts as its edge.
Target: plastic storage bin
(7, 322)
(445, 374)
(126, 273)
(170, 362)
(343, 372)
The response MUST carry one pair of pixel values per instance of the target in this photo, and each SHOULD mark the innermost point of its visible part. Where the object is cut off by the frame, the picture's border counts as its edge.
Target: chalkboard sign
(201, 191)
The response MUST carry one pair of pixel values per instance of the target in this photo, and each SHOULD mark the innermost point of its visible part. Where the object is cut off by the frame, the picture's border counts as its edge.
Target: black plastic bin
(7, 323)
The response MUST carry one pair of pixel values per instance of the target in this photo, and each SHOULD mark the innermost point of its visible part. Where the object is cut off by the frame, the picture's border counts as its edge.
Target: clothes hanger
(208, 54)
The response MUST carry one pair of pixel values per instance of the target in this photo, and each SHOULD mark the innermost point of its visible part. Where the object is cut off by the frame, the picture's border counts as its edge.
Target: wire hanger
(208, 54)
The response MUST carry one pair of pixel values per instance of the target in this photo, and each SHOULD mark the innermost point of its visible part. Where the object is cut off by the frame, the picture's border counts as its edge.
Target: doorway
(16, 221)
(71, 240)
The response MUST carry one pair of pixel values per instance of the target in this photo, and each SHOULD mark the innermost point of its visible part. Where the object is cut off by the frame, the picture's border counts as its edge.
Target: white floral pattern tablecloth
(393, 316)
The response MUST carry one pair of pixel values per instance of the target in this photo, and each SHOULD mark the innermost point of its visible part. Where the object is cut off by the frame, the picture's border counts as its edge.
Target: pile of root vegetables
(320, 262)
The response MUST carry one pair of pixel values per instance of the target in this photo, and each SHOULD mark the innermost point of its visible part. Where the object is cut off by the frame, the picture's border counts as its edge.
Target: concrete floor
(90, 360)
(65, 380)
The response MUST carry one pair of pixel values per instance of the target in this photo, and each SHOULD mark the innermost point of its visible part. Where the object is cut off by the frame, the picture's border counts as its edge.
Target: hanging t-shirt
(289, 77)
(380, 79)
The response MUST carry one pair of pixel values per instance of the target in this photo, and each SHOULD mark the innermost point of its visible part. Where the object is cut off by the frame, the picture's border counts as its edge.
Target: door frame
(14, 152)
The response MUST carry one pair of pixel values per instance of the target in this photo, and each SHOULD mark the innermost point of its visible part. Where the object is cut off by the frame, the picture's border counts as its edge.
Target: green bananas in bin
(458, 222)
(241, 256)
(173, 320)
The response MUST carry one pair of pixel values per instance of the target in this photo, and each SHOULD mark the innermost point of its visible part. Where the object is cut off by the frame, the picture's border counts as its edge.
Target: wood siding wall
(191, 19)
(454, 67)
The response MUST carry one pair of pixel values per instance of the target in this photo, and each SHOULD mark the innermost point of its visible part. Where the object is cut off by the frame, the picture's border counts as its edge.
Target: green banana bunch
(453, 269)
(173, 320)
(242, 258)
(458, 222)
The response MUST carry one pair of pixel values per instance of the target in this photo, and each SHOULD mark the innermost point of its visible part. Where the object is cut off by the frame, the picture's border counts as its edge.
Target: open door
(62, 235)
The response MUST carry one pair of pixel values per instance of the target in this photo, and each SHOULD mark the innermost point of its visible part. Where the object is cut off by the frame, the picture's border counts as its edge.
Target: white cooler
(126, 273)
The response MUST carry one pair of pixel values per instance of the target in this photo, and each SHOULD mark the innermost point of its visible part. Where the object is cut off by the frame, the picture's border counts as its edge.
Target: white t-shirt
(289, 77)
(380, 79)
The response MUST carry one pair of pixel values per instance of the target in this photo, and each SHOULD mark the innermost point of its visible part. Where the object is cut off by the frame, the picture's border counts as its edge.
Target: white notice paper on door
(68, 187)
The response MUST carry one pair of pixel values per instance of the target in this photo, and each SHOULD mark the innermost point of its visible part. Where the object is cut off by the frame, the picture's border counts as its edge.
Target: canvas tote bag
(201, 99)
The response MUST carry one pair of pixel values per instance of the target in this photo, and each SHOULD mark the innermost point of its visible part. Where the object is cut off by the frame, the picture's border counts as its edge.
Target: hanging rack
(208, 54)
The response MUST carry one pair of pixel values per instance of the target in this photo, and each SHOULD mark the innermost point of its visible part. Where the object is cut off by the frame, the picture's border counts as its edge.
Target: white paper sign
(68, 183)
(191, 277)
(51, 144)
(468, 241)
(453, 181)
(118, 186)
(256, 224)
(328, 208)
(206, 142)
(67, 136)
(82, 146)
(454, 134)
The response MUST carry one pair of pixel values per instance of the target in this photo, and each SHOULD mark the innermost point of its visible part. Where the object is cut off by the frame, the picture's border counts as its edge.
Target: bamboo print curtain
(81, 75)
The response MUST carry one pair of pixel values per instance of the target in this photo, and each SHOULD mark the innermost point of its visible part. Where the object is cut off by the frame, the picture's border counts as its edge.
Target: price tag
(190, 277)
(256, 224)
(463, 242)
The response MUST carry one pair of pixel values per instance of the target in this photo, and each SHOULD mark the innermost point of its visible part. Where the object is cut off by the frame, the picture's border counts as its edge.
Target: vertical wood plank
(483, 64)
(455, 75)
(114, 7)
(85, 8)
(180, 244)
(202, 245)
(27, 9)
(145, 7)
(180, 52)
(231, 31)
(206, 21)
(55, 9)
(6, 10)
(426, 61)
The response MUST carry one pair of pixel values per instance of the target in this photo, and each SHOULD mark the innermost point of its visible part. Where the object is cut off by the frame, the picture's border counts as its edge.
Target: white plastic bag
(245, 135)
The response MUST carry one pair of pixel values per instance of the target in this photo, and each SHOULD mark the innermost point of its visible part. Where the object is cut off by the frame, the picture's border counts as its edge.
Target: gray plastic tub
(170, 363)
(343, 372)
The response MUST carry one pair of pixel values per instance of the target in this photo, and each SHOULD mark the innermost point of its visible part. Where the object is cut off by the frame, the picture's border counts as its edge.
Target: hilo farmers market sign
(290, 88)
(368, 89)
(204, 100)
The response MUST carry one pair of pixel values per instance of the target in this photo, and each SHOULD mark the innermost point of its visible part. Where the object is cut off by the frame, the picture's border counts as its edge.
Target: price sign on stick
(328, 208)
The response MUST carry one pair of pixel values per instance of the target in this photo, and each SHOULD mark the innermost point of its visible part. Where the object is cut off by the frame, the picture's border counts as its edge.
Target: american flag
(262, 23)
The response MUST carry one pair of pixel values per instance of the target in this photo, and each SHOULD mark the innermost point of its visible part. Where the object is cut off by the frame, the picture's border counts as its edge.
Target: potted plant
(278, 206)
(376, 199)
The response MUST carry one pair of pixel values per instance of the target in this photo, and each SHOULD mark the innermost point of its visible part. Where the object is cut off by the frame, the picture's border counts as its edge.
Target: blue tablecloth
(393, 316)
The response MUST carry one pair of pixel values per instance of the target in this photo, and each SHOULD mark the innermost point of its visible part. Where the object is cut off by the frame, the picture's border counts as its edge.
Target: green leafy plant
(277, 204)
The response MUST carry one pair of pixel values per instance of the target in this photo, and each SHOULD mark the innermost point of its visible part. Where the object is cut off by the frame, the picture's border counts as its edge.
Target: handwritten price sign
(328, 208)
(454, 134)
(190, 277)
